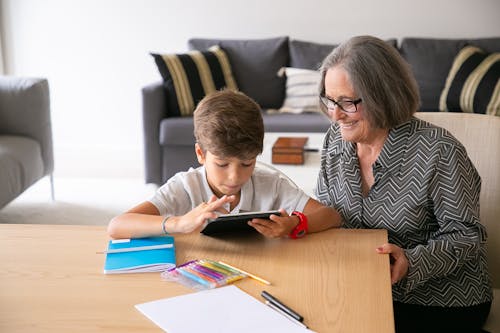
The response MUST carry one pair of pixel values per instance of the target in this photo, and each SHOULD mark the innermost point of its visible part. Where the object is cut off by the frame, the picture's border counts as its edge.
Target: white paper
(223, 310)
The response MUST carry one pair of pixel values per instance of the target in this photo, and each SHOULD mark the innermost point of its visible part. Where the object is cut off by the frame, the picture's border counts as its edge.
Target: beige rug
(56, 213)
(78, 201)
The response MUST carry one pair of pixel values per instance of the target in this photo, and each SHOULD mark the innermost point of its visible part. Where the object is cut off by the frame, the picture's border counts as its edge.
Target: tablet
(235, 223)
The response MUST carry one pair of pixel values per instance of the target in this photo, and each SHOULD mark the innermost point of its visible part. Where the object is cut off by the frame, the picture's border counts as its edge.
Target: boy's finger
(213, 198)
(222, 200)
(213, 205)
(283, 212)
(279, 218)
(264, 229)
(222, 210)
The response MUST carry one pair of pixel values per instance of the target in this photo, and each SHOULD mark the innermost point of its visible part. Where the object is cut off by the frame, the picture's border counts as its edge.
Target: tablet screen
(235, 223)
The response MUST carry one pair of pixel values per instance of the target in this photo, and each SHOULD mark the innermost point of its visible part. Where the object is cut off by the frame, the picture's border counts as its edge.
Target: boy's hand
(221, 209)
(276, 226)
(196, 219)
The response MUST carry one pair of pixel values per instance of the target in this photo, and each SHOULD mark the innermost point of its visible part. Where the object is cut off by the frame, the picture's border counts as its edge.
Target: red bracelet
(301, 229)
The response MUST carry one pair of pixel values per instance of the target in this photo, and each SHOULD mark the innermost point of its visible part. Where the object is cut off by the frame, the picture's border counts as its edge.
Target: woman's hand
(276, 226)
(399, 262)
(196, 219)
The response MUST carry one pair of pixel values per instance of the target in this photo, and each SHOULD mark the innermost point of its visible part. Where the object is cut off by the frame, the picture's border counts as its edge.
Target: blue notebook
(152, 254)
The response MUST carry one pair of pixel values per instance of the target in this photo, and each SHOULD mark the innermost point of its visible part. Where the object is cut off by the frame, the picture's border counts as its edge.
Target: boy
(229, 133)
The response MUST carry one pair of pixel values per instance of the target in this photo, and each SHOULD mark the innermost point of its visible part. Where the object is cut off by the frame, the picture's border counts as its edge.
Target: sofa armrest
(25, 111)
(154, 109)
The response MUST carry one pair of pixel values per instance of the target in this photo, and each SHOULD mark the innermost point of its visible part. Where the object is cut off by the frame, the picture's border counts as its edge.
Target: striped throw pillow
(473, 83)
(191, 76)
(301, 90)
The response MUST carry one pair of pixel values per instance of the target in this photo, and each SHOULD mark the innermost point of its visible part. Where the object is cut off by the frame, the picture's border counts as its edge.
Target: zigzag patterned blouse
(426, 195)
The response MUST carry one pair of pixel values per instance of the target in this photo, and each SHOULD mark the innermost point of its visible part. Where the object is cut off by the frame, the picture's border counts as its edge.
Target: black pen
(274, 301)
(281, 312)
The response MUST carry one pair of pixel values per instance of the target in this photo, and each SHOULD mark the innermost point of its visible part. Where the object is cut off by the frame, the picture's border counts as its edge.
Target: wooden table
(51, 279)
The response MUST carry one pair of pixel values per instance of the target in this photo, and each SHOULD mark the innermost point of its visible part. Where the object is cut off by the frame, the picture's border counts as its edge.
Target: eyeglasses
(344, 105)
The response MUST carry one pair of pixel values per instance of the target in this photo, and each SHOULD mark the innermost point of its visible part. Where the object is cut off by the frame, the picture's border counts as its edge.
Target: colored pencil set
(202, 274)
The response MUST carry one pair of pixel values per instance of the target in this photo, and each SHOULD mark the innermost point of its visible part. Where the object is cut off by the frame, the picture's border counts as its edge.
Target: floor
(91, 201)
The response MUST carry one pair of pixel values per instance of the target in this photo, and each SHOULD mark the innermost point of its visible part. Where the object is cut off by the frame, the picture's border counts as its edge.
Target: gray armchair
(26, 152)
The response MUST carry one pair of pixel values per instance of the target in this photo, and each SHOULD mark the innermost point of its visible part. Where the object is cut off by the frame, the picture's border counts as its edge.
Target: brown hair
(380, 76)
(229, 124)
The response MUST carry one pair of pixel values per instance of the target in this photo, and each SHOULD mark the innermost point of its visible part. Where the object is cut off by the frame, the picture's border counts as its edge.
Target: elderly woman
(383, 168)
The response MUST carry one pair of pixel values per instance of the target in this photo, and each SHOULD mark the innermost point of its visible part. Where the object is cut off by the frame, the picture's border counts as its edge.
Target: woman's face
(354, 127)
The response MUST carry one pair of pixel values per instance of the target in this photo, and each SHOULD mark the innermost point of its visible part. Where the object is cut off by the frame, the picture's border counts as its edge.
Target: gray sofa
(26, 152)
(169, 141)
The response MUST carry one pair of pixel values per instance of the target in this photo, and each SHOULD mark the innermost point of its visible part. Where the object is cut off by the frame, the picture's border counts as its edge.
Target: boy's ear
(199, 153)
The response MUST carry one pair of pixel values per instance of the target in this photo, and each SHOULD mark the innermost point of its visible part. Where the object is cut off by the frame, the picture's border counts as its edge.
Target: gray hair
(380, 76)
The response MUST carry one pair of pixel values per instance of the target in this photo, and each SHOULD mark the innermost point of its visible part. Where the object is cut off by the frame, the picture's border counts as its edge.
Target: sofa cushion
(473, 84)
(431, 60)
(310, 55)
(189, 77)
(301, 90)
(177, 131)
(301, 122)
(255, 63)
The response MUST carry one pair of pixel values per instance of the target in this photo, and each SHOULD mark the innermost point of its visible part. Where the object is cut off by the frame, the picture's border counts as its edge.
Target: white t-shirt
(265, 190)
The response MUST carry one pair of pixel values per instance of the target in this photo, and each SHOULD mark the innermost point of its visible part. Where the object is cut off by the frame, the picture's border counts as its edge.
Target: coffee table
(305, 175)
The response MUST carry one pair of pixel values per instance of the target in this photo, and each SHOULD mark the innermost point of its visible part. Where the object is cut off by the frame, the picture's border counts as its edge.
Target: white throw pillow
(301, 90)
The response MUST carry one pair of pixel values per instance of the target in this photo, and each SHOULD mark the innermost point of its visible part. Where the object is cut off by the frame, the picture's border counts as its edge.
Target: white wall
(95, 53)
(1, 47)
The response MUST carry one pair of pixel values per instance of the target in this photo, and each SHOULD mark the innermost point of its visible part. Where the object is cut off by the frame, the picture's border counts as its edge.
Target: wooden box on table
(289, 150)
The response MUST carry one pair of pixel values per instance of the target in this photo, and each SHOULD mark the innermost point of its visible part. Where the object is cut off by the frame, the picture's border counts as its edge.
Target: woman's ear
(199, 153)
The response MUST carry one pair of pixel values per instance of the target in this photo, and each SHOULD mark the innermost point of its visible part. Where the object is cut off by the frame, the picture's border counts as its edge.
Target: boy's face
(225, 175)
